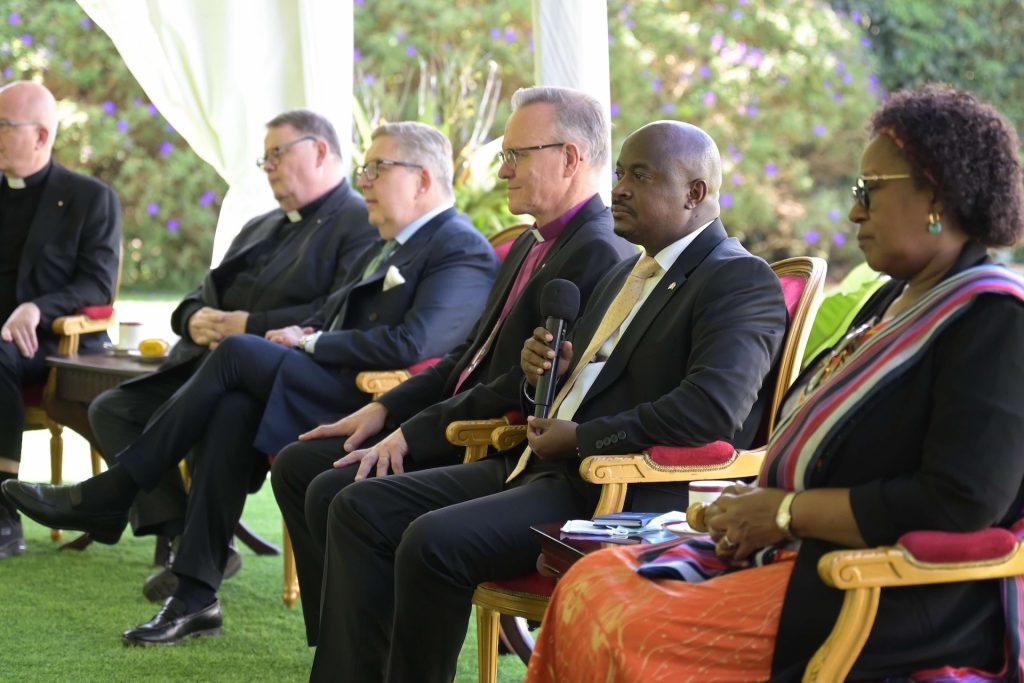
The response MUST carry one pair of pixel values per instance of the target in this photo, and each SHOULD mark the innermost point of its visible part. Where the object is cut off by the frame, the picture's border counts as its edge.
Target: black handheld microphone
(559, 304)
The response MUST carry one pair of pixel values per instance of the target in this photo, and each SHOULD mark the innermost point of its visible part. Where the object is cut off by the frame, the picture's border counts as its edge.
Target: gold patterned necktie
(616, 314)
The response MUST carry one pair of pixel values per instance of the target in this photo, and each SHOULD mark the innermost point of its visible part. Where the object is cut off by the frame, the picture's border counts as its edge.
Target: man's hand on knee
(288, 336)
(20, 328)
(387, 455)
(364, 423)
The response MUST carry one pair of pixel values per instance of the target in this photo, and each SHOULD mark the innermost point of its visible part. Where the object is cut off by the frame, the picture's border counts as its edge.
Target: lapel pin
(60, 202)
(671, 286)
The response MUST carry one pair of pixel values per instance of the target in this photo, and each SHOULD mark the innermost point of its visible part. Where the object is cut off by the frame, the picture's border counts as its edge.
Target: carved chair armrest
(475, 435)
(378, 382)
(862, 573)
(70, 327)
(508, 436)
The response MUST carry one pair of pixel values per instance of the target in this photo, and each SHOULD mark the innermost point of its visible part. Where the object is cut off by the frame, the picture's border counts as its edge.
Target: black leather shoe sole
(170, 626)
(52, 506)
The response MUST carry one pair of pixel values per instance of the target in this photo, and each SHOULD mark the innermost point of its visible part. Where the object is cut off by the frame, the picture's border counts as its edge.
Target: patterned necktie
(386, 250)
(613, 318)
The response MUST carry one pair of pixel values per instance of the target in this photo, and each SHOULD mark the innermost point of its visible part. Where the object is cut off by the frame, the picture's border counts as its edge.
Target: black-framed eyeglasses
(7, 124)
(861, 191)
(510, 156)
(371, 169)
(274, 154)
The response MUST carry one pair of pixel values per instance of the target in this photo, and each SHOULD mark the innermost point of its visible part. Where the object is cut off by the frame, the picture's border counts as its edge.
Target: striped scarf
(863, 364)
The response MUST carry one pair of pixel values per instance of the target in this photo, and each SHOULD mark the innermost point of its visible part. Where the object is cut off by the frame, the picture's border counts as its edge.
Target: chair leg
(487, 644)
(97, 461)
(291, 576)
(56, 463)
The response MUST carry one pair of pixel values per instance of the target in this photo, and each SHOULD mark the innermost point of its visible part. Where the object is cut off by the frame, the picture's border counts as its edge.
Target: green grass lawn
(63, 614)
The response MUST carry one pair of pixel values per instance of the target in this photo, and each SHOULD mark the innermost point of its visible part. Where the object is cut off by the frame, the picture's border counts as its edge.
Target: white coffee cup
(129, 335)
(707, 491)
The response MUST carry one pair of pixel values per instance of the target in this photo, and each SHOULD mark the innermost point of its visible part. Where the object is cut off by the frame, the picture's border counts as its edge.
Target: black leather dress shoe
(54, 506)
(161, 585)
(171, 625)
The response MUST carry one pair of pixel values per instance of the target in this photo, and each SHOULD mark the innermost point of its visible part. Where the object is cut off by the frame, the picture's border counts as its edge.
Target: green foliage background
(785, 86)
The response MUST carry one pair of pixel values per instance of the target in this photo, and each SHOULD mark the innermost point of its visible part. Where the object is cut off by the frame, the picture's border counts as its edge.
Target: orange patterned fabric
(606, 623)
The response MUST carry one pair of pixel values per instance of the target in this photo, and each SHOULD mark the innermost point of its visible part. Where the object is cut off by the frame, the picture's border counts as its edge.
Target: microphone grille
(560, 299)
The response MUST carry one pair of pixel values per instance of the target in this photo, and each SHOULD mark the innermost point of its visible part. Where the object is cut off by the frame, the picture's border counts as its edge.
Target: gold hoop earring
(934, 224)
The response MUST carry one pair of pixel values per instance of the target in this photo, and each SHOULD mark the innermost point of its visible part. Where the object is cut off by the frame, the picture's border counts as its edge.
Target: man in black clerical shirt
(60, 233)
(277, 272)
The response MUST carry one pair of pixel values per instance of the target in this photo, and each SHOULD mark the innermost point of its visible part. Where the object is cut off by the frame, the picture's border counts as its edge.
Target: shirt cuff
(309, 342)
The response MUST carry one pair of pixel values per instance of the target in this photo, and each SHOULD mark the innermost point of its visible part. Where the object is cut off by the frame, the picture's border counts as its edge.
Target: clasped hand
(288, 336)
(209, 326)
(742, 521)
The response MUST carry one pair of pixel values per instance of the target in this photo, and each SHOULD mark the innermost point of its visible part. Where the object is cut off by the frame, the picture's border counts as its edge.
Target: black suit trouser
(405, 552)
(15, 372)
(118, 417)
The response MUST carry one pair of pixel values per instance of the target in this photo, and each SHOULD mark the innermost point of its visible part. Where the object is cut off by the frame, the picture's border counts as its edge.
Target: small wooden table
(559, 550)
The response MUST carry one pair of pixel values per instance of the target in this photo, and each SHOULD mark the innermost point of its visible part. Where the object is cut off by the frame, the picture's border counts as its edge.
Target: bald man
(60, 234)
(680, 362)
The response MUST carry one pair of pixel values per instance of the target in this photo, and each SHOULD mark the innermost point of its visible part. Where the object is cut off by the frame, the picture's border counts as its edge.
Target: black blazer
(583, 253)
(448, 269)
(311, 263)
(71, 254)
(938, 449)
(690, 365)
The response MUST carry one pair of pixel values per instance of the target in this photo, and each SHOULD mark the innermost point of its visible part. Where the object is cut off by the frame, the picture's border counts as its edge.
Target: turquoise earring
(934, 224)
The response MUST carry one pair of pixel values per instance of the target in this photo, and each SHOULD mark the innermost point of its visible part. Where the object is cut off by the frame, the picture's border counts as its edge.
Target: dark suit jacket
(583, 253)
(448, 269)
(938, 449)
(71, 254)
(690, 365)
(312, 263)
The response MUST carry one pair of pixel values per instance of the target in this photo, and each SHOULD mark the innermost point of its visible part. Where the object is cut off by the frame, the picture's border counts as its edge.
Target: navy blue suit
(250, 397)
(69, 260)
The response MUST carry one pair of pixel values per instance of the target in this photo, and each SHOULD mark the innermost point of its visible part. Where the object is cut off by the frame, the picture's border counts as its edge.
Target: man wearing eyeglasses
(278, 271)
(411, 296)
(59, 232)
(555, 182)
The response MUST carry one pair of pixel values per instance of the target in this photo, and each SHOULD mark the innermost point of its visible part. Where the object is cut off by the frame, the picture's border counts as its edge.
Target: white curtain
(218, 70)
(571, 50)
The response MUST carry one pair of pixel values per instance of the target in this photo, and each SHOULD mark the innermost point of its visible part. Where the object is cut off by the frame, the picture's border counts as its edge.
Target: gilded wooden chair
(918, 558)
(803, 280)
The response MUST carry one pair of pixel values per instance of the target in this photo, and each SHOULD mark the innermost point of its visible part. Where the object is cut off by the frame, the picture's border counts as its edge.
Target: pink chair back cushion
(534, 584)
(792, 289)
(32, 395)
(716, 453)
(417, 368)
(97, 312)
(502, 250)
(939, 547)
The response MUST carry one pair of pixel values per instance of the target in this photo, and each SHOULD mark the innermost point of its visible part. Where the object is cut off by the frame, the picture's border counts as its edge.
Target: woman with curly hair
(914, 421)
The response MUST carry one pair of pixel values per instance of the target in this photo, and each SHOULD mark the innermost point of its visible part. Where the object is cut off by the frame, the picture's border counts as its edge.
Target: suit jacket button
(600, 444)
(373, 317)
(613, 438)
(622, 435)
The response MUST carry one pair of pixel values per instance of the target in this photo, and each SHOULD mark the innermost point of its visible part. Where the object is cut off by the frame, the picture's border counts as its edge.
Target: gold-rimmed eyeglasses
(371, 169)
(510, 157)
(274, 154)
(861, 191)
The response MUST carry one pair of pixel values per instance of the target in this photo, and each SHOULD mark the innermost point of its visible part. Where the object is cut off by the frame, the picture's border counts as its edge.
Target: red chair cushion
(96, 312)
(534, 584)
(939, 547)
(793, 287)
(716, 453)
(417, 368)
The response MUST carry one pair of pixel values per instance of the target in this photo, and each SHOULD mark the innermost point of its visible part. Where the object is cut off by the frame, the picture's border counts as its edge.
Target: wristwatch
(783, 517)
(306, 339)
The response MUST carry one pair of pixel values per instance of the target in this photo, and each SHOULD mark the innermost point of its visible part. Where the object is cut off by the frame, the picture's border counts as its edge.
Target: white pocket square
(393, 278)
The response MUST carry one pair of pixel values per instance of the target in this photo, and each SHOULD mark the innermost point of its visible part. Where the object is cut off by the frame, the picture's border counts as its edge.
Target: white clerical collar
(14, 182)
(294, 216)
